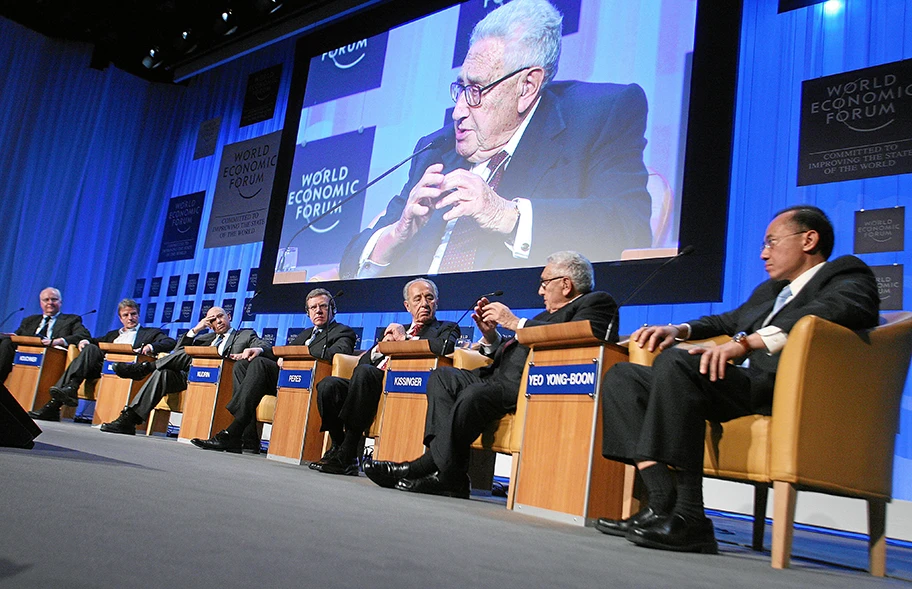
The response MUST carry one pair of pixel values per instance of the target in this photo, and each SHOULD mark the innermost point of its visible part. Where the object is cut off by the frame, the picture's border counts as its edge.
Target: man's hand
(394, 332)
(203, 324)
(146, 349)
(82, 344)
(248, 354)
(656, 336)
(488, 327)
(57, 341)
(419, 207)
(500, 314)
(714, 359)
(470, 196)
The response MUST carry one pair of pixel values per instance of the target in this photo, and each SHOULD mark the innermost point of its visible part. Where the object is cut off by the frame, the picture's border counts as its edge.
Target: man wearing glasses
(169, 374)
(530, 166)
(654, 417)
(259, 376)
(461, 403)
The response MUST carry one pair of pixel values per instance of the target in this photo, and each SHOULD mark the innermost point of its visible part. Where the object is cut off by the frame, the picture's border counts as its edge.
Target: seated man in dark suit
(348, 407)
(88, 364)
(53, 327)
(654, 417)
(260, 376)
(522, 151)
(169, 374)
(461, 403)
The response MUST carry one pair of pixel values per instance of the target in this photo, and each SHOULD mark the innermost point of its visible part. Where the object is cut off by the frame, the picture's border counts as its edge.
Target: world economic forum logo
(346, 70)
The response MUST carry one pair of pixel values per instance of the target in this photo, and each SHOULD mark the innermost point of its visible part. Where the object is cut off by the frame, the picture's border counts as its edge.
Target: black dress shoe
(221, 442)
(252, 446)
(620, 527)
(330, 454)
(673, 532)
(50, 412)
(125, 424)
(384, 473)
(133, 370)
(338, 464)
(82, 419)
(66, 395)
(433, 484)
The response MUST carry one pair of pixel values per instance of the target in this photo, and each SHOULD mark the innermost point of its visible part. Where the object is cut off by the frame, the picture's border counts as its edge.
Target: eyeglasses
(544, 281)
(321, 307)
(473, 92)
(771, 242)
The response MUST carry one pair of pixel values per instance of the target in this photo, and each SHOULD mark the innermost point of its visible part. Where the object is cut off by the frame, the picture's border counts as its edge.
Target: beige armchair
(832, 429)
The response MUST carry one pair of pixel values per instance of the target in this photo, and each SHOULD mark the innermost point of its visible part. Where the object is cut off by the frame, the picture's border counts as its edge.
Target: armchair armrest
(469, 359)
(344, 365)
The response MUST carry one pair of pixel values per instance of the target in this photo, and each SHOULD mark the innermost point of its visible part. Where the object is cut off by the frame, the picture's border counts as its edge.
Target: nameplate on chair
(577, 379)
(106, 367)
(203, 374)
(400, 381)
(295, 379)
(28, 359)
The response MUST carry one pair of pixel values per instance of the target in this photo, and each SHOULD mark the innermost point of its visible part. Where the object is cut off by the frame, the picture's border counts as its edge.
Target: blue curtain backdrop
(92, 158)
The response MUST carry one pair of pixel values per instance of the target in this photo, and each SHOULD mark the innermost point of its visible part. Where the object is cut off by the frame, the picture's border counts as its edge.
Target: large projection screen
(608, 164)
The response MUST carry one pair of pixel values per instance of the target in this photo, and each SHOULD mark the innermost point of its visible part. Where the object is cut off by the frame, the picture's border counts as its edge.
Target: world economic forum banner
(242, 191)
(181, 227)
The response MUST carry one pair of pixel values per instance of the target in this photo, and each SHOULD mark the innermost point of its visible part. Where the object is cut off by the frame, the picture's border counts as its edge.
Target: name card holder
(295, 436)
(36, 368)
(113, 393)
(209, 387)
(403, 406)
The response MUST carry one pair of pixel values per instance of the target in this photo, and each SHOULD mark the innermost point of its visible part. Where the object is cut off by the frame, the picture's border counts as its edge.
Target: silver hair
(577, 267)
(408, 285)
(317, 292)
(531, 31)
(127, 304)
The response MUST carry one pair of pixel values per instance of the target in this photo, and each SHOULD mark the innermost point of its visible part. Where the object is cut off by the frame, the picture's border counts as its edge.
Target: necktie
(783, 296)
(460, 250)
(312, 337)
(43, 332)
(218, 341)
(413, 331)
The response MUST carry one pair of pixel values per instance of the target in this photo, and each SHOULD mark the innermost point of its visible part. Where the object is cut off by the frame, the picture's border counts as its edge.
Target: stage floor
(89, 509)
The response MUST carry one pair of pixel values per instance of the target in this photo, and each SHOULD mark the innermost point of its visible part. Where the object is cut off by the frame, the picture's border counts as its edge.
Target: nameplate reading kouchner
(295, 379)
(25, 359)
(406, 382)
(579, 379)
(203, 374)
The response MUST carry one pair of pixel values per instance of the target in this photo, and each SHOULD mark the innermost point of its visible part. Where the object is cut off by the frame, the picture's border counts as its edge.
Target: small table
(209, 386)
(403, 410)
(295, 436)
(36, 368)
(113, 393)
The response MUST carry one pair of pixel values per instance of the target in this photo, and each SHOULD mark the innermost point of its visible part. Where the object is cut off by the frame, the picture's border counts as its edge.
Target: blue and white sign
(106, 367)
(204, 374)
(400, 381)
(578, 379)
(295, 379)
(28, 359)
(350, 69)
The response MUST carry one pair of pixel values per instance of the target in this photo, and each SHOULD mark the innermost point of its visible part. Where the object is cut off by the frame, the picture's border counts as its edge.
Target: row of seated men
(653, 417)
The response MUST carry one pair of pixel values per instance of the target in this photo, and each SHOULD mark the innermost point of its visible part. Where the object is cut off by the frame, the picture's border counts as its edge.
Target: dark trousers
(7, 353)
(170, 376)
(350, 404)
(660, 412)
(460, 405)
(87, 365)
(252, 380)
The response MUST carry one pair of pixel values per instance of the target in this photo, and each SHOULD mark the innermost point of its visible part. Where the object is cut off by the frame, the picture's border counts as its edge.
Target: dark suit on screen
(461, 403)
(69, 327)
(170, 375)
(352, 403)
(89, 362)
(260, 376)
(579, 161)
(659, 413)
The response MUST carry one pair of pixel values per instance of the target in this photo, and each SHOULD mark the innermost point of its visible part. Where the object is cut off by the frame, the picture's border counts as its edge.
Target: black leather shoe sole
(66, 395)
(45, 414)
(432, 485)
(216, 445)
(111, 428)
(619, 527)
(385, 474)
(82, 419)
(674, 533)
(336, 466)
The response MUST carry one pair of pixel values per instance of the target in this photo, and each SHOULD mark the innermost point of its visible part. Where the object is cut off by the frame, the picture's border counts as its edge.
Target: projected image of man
(529, 165)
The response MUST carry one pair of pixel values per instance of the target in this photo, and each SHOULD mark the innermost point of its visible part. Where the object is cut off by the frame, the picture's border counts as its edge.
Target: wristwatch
(741, 338)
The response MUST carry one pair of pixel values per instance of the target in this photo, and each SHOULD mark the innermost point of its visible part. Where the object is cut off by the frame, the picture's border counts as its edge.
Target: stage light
(185, 41)
(267, 6)
(226, 22)
(833, 7)
(153, 58)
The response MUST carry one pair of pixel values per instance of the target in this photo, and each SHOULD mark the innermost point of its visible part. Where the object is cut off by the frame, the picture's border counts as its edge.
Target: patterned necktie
(463, 244)
(412, 334)
(46, 323)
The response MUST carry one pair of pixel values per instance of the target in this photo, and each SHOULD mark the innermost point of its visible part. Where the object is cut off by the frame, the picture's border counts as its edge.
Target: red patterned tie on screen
(460, 250)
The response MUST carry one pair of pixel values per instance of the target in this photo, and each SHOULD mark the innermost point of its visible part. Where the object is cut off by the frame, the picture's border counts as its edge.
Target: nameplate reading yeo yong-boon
(401, 381)
(203, 374)
(577, 379)
(295, 379)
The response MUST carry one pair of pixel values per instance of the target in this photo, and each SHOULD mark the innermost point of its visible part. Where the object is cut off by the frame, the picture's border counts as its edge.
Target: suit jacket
(335, 339)
(844, 291)
(580, 162)
(442, 335)
(159, 340)
(510, 356)
(240, 340)
(69, 327)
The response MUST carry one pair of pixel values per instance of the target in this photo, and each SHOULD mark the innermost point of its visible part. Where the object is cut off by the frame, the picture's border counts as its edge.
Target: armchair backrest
(344, 365)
